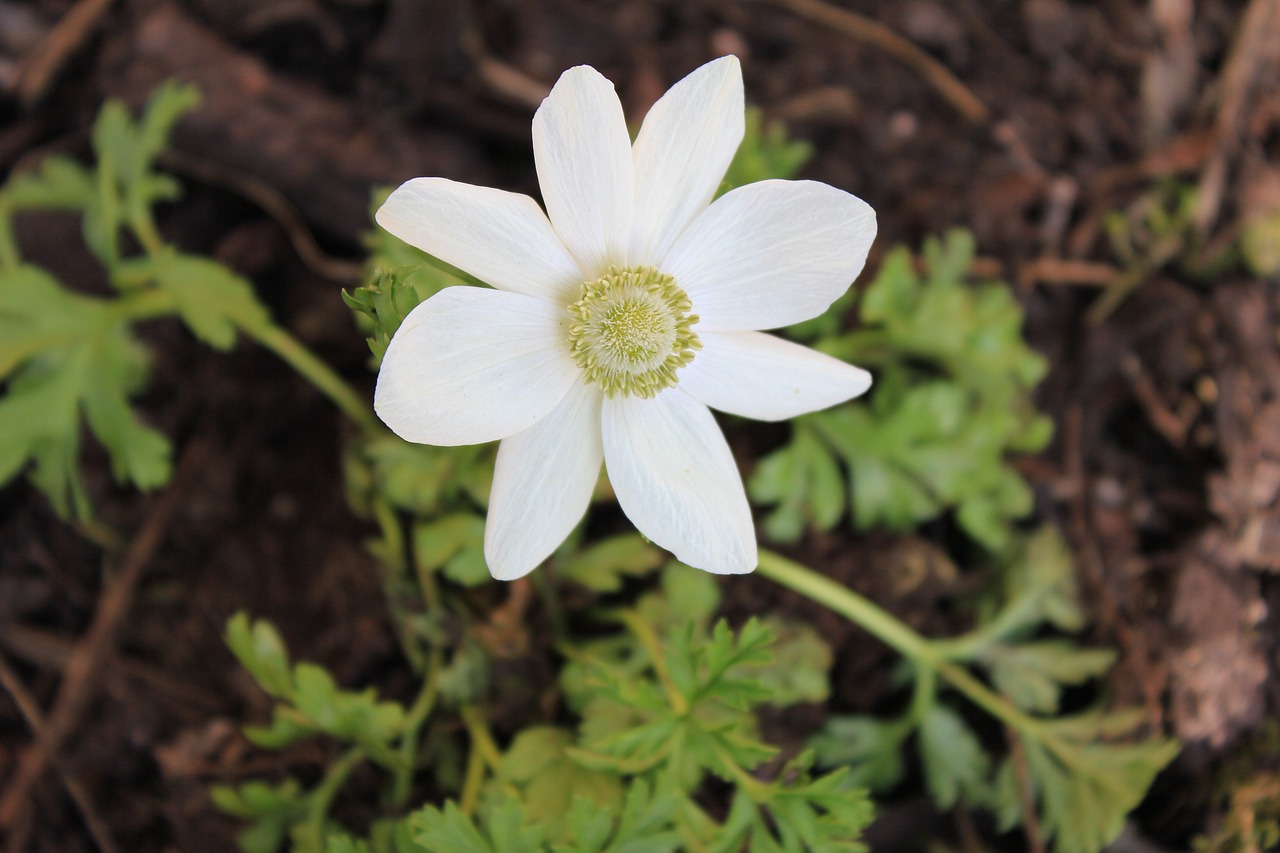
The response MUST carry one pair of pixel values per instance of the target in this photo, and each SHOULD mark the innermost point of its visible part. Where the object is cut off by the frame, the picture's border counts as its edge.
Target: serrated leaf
(951, 401)
(1032, 674)
(871, 748)
(382, 305)
(447, 831)
(955, 764)
(799, 665)
(551, 782)
(212, 300)
(645, 824)
(802, 479)
(817, 814)
(66, 354)
(1084, 803)
(450, 831)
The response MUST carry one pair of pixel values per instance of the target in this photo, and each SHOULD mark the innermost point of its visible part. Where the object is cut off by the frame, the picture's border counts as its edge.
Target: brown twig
(30, 712)
(864, 29)
(85, 666)
(273, 204)
(71, 31)
(1259, 29)
(1048, 270)
(1026, 792)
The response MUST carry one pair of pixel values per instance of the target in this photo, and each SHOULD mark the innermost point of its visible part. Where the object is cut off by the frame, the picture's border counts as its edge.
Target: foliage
(66, 355)
(1083, 777)
(603, 789)
(767, 152)
(951, 401)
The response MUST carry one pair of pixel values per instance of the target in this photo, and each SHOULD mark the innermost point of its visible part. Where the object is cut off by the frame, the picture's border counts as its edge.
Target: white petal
(676, 480)
(501, 238)
(681, 154)
(471, 365)
(759, 376)
(771, 254)
(583, 155)
(542, 484)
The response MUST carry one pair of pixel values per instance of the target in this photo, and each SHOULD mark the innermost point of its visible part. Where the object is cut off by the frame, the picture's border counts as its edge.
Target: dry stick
(864, 29)
(71, 31)
(1259, 29)
(30, 711)
(85, 666)
(1026, 792)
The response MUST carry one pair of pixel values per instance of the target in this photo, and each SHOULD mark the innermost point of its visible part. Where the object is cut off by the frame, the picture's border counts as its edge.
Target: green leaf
(311, 702)
(871, 748)
(417, 478)
(765, 152)
(59, 183)
(799, 665)
(450, 831)
(602, 565)
(1039, 586)
(538, 764)
(951, 401)
(693, 717)
(686, 596)
(815, 814)
(212, 300)
(1088, 788)
(955, 764)
(65, 354)
(453, 544)
(1032, 674)
(260, 650)
(645, 824)
(273, 809)
(803, 480)
(381, 306)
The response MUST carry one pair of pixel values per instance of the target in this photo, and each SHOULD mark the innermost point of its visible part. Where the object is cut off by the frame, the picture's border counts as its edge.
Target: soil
(1164, 473)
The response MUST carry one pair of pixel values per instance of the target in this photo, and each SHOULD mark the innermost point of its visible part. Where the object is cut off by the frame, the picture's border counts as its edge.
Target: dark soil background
(1027, 121)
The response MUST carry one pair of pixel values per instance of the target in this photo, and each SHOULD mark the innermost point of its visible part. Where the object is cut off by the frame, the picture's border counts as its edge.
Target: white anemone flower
(619, 316)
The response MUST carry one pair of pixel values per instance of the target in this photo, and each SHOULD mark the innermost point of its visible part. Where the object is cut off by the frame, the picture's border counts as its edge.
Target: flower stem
(896, 634)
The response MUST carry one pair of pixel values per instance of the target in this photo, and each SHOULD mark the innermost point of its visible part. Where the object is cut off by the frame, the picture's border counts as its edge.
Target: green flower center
(632, 330)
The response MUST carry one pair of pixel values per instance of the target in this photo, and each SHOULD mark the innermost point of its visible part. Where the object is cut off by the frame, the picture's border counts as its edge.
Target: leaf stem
(314, 370)
(279, 341)
(312, 832)
(893, 632)
(649, 639)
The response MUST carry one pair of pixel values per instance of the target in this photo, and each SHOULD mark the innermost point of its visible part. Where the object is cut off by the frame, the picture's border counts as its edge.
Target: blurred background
(1118, 162)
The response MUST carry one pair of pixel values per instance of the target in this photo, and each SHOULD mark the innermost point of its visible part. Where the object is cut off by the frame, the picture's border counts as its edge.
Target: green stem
(321, 798)
(10, 257)
(896, 634)
(649, 639)
(279, 341)
(413, 723)
(314, 370)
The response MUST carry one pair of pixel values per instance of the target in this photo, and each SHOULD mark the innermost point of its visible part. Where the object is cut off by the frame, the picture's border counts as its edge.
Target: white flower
(614, 323)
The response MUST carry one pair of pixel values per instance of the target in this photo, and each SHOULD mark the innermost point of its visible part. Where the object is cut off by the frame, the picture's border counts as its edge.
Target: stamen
(632, 331)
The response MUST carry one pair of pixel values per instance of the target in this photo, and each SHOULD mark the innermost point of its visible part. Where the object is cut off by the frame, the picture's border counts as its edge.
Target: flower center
(632, 330)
